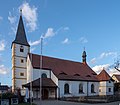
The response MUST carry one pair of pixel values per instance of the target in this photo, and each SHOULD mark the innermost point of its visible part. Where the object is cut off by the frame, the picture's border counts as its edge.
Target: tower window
(21, 49)
(21, 74)
(22, 61)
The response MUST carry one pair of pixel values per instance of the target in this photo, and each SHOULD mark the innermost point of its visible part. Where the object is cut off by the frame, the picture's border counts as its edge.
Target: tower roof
(104, 76)
(21, 35)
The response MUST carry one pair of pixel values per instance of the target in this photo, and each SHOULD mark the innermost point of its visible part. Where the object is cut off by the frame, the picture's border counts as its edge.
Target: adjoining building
(58, 77)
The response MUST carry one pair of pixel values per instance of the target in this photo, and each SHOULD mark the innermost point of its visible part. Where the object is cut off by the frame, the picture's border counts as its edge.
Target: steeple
(84, 56)
(21, 35)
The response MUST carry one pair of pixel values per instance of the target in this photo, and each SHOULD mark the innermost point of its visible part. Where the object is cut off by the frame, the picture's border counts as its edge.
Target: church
(52, 78)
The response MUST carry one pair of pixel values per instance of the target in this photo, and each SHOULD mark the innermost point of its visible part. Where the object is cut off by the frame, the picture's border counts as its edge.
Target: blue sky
(68, 27)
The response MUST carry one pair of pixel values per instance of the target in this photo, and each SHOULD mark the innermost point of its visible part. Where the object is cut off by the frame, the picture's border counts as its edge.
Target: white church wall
(73, 88)
(109, 88)
(54, 78)
(20, 82)
(29, 70)
(106, 88)
(96, 88)
(20, 63)
(19, 71)
(37, 73)
(18, 53)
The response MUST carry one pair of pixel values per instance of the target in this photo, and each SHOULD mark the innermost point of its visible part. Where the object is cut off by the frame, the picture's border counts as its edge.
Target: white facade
(106, 88)
(19, 66)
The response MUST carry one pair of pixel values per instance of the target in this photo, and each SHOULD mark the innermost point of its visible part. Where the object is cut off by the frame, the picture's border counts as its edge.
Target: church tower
(20, 50)
(84, 57)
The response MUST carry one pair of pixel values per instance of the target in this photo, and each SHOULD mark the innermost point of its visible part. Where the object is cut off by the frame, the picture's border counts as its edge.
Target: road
(57, 102)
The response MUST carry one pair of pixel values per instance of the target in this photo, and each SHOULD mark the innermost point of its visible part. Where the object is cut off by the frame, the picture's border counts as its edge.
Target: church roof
(21, 35)
(104, 76)
(65, 69)
(46, 82)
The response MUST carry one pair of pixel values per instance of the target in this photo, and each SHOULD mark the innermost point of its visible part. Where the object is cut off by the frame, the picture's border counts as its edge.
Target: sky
(68, 26)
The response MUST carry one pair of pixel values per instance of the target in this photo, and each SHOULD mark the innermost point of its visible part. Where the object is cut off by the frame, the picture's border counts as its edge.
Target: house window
(81, 88)
(92, 88)
(109, 89)
(109, 81)
(66, 88)
(21, 74)
(22, 61)
(21, 49)
(43, 75)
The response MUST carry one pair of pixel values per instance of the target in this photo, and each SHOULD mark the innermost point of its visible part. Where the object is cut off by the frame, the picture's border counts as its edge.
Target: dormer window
(21, 49)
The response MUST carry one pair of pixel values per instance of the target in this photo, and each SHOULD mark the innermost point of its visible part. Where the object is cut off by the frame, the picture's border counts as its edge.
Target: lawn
(26, 104)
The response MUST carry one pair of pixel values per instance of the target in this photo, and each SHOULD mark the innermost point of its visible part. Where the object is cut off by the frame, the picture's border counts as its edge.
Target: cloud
(99, 68)
(83, 40)
(50, 33)
(66, 28)
(107, 67)
(35, 42)
(3, 70)
(30, 14)
(103, 55)
(2, 45)
(12, 19)
(93, 60)
(65, 41)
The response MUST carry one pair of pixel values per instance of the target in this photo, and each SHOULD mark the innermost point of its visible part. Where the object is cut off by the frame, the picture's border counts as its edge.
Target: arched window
(81, 88)
(92, 88)
(66, 88)
(43, 75)
(21, 49)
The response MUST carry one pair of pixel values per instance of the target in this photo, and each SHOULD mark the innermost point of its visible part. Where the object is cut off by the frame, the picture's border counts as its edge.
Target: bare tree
(117, 65)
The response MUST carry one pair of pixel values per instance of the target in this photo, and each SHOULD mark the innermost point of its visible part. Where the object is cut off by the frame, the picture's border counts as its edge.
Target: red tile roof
(65, 69)
(104, 76)
(46, 82)
(117, 76)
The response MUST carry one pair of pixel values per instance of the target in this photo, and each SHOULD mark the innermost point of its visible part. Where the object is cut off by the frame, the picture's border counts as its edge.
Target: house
(116, 78)
(3, 88)
(106, 85)
(48, 77)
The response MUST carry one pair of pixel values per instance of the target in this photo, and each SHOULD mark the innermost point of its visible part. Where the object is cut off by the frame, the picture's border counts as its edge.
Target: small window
(22, 61)
(109, 89)
(92, 88)
(99, 90)
(81, 88)
(109, 81)
(21, 49)
(21, 74)
(43, 75)
(66, 88)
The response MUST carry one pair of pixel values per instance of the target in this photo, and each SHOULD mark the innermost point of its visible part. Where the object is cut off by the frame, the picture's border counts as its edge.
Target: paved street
(56, 102)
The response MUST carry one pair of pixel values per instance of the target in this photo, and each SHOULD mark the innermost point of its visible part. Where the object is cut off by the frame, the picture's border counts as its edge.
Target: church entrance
(44, 94)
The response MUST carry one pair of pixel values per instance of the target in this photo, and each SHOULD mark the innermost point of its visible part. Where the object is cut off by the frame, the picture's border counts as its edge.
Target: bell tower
(84, 57)
(20, 50)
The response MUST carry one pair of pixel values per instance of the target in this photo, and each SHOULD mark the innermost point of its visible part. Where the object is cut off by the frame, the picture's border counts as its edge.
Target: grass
(26, 104)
